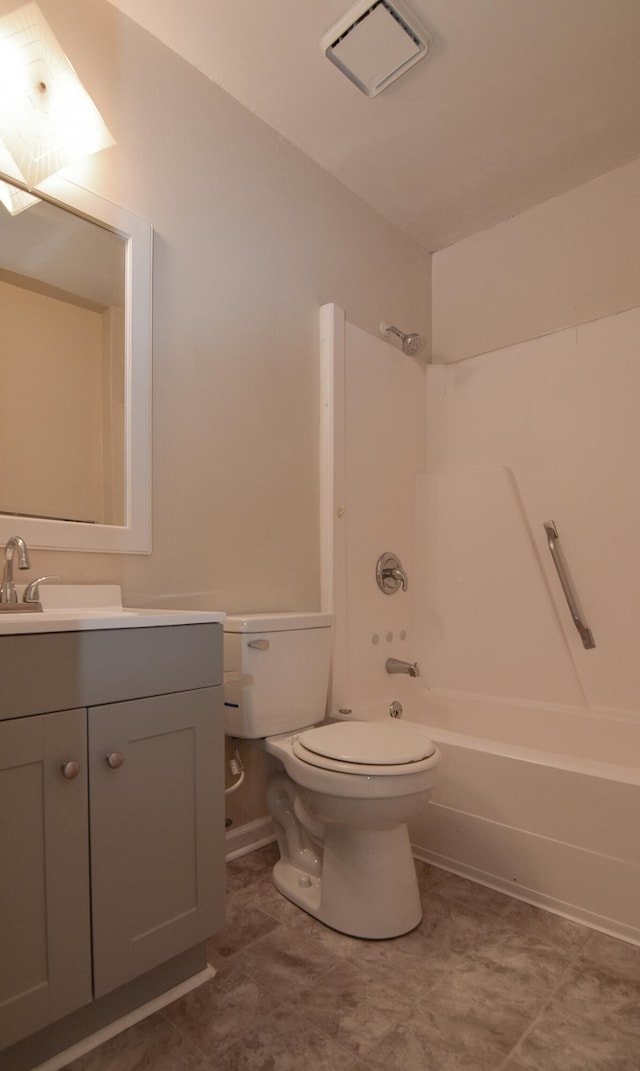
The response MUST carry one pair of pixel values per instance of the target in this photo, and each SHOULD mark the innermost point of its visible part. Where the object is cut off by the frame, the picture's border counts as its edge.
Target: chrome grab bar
(561, 569)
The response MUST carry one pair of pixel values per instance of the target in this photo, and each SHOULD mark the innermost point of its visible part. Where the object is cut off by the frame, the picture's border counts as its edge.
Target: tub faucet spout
(8, 589)
(394, 665)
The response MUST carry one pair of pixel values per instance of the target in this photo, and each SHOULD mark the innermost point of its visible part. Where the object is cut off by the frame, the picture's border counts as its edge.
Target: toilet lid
(368, 743)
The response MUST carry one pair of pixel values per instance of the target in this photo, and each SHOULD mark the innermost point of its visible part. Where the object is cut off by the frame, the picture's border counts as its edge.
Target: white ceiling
(516, 102)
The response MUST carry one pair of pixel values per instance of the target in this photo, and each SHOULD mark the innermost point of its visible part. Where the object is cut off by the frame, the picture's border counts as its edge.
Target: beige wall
(568, 261)
(250, 239)
(50, 383)
(113, 414)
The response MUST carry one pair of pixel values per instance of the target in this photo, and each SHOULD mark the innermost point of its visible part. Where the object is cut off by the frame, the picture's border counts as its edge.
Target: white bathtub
(539, 802)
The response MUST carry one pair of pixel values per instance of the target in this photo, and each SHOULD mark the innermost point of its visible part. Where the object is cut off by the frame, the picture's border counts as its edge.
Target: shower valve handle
(390, 575)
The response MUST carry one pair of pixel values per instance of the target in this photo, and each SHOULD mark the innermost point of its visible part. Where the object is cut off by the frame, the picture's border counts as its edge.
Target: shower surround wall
(373, 448)
(547, 428)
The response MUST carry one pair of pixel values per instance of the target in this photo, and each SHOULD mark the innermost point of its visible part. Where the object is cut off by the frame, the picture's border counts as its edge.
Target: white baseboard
(530, 896)
(248, 837)
(61, 1059)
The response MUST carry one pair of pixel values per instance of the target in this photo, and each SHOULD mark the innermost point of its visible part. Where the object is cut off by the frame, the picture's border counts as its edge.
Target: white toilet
(341, 793)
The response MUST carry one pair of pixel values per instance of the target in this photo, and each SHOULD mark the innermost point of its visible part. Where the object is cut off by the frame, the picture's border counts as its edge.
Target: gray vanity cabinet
(114, 867)
(45, 939)
(153, 887)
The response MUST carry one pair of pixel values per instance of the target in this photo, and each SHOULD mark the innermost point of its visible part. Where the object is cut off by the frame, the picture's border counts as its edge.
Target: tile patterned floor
(485, 983)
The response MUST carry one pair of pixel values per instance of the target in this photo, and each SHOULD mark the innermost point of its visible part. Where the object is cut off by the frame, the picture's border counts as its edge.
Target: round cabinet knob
(115, 760)
(70, 770)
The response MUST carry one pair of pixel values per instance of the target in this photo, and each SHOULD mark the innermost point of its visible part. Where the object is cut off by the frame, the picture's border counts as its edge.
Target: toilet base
(367, 886)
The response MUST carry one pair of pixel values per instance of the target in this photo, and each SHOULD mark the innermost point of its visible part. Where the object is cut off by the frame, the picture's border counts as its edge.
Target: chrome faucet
(394, 665)
(8, 589)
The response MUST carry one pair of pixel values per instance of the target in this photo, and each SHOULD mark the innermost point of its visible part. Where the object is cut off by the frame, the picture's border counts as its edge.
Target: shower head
(412, 343)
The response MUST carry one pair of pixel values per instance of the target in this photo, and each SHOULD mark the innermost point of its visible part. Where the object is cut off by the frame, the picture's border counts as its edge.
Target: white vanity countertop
(76, 607)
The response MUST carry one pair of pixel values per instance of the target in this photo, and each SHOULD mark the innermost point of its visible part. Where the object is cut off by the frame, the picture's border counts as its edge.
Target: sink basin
(74, 607)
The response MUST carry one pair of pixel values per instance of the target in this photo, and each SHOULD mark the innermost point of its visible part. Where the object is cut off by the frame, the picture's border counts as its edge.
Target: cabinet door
(157, 830)
(45, 944)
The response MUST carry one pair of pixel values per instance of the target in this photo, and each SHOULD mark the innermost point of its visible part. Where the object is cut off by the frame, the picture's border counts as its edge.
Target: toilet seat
(366, 748)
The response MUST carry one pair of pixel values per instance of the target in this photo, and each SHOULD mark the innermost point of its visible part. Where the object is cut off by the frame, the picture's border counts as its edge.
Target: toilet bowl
(340, 794)
(345, 854)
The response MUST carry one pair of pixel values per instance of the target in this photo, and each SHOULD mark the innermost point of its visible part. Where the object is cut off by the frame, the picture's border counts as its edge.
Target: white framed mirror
(75, 373)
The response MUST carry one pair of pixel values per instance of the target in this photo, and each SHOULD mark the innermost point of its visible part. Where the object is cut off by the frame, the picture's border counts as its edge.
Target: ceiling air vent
(373, 44)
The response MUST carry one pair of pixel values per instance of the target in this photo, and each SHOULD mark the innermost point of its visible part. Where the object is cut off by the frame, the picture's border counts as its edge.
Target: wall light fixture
(47, 118)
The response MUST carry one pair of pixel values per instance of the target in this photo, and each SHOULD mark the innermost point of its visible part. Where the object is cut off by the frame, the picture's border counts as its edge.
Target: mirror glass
(75, 286)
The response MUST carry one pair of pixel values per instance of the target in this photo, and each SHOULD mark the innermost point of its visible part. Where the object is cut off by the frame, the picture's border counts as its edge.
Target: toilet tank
(276, 672)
